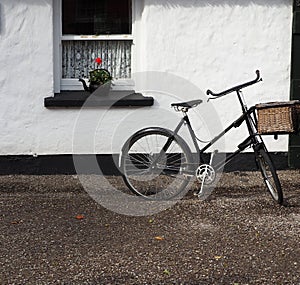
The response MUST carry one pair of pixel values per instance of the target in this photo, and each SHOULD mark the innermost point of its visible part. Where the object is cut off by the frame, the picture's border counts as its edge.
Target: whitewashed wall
(213, 44)
(217, 44)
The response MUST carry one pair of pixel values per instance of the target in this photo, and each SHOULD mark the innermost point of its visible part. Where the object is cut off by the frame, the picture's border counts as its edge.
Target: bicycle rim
(270, 176)
(154, 173)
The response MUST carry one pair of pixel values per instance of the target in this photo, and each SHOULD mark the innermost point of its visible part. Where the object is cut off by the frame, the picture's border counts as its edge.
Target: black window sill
(115, 98)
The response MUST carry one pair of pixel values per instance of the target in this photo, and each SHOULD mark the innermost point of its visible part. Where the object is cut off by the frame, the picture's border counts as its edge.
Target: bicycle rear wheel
(155, 163)
(269, 174)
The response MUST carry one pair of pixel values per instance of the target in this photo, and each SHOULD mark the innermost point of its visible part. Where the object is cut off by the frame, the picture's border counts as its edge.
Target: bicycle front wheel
(269, 174)
(155, 163)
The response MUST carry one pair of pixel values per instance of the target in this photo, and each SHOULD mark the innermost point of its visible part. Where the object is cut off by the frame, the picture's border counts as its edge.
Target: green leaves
(99, 76)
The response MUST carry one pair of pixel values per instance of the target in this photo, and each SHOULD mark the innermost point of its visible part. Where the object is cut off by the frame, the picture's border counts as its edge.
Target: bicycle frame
(249, 116)
(164, 161)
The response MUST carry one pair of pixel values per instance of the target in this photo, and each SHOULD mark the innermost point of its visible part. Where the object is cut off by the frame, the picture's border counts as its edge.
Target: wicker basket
(278, 117)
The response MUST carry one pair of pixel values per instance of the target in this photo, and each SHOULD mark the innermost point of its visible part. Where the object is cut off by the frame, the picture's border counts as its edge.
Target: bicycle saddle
(186, 105)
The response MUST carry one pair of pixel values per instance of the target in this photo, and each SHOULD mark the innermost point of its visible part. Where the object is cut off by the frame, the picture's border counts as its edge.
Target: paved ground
(52, 232)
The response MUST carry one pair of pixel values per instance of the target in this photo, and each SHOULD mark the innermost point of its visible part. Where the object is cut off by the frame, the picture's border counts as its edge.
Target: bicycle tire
(269, 174)
(152, 173)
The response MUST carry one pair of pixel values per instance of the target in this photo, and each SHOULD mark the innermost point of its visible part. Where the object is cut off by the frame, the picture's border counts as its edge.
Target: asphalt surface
(53, 232)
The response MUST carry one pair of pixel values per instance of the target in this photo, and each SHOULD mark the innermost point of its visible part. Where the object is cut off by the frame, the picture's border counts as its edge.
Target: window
(90, 29)
(96, 17)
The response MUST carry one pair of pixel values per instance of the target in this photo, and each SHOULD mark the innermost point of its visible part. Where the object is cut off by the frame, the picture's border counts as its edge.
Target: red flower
(98, 60)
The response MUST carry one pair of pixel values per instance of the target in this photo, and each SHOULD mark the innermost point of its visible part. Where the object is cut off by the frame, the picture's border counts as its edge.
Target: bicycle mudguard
(146, 130)
(156, 129)
(150, 129)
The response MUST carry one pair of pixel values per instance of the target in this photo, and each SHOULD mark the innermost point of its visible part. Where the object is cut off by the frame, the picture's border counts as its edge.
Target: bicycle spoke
(135, 159)
(149, 170)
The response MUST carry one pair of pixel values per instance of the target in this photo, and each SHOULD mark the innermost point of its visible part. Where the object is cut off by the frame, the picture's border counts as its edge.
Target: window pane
(96, 17)
(79, 58)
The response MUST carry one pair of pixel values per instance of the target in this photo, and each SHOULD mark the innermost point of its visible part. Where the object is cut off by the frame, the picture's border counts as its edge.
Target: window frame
(61, 84)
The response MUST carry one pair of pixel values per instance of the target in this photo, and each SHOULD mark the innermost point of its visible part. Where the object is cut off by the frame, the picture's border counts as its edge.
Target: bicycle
(155, 161)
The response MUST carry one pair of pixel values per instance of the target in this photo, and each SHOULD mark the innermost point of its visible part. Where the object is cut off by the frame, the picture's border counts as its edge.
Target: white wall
(217, 44)
(26, 73)
(212, 44)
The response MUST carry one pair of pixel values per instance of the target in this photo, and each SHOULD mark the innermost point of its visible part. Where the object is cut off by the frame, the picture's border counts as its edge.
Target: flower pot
(93, 87)
(101, 90)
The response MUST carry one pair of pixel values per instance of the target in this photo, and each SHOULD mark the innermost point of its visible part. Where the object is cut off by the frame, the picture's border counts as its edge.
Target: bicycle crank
(205, 174)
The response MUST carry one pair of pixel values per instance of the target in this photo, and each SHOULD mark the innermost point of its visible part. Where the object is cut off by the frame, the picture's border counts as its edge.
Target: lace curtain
(78, 58)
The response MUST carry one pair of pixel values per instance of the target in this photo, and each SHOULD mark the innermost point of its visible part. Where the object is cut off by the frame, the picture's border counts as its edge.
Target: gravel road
(52, 232)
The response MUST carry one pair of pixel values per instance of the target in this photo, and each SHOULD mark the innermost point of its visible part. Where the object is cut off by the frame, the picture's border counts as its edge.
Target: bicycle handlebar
(236, 88)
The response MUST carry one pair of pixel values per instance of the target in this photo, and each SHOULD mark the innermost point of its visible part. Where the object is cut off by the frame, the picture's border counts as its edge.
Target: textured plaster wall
(26, 76)
(217, 44)
(213, 44)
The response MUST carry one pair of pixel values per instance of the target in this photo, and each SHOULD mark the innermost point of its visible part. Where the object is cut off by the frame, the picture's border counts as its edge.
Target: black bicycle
(156, 163)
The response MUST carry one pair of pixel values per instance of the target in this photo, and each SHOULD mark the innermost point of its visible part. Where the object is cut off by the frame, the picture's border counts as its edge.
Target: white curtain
(78, 58)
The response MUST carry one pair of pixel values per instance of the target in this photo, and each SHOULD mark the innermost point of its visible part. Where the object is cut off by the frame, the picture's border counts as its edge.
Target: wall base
(63, 164)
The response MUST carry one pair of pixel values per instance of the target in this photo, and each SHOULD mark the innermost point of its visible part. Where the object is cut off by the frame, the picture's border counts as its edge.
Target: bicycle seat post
(185, 116)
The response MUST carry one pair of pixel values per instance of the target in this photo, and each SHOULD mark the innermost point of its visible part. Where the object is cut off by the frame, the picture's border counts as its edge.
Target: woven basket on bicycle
(278, 117)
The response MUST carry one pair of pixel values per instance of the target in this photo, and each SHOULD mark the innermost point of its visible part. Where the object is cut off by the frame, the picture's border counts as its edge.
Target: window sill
(115, 98)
